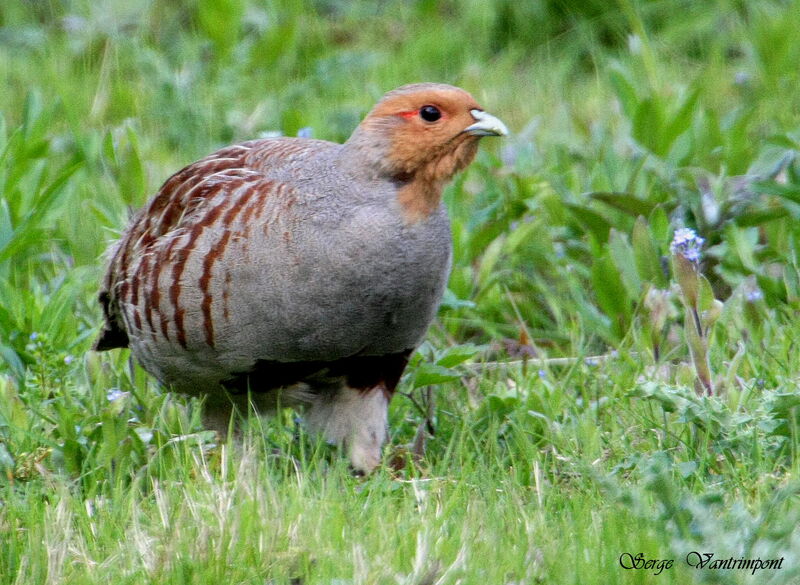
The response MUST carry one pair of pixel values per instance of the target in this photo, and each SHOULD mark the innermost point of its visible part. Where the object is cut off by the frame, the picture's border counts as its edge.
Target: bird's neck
(419, 198)
(367, 160)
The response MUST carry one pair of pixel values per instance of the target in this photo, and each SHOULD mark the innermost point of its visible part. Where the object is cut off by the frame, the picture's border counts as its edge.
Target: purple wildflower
(688, 244)
(754, 295)
(114, 394)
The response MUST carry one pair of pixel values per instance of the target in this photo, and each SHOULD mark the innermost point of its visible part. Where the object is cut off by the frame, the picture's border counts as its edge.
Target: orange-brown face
(432, 130)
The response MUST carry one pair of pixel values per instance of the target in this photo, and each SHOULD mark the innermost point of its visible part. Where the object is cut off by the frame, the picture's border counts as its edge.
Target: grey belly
(312, 313)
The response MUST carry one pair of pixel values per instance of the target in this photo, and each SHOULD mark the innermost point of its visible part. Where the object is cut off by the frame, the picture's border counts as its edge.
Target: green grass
(630, 119)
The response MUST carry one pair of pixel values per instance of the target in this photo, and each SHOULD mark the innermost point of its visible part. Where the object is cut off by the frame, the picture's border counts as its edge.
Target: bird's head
(420, 135)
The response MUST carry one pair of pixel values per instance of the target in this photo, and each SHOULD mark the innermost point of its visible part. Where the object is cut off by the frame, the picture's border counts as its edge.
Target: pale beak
(486, 125)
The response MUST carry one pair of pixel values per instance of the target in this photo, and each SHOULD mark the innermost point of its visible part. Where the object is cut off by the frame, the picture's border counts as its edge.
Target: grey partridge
(296, 271)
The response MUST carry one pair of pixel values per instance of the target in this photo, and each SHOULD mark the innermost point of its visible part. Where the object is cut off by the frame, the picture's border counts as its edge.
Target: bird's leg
(355, 418)
(223, 411)
(218, 410)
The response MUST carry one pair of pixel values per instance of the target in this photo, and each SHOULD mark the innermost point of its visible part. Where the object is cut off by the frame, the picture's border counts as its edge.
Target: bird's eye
(430, 113)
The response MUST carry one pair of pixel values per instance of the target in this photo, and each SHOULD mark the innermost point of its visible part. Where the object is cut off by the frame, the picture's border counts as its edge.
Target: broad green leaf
(680, 121)
(31, 112)
(626, 92)
(670, 399)
(705, 298)
(647, 126)
(785, 408)
(742, 242)
(451, 301)
(790, 192)
(625, 202)
(610, 292)
(784, 141)
(12, 359)
(458, 354)
(791, 279)
(660, 226)
(523, 233)
(625, 262)
(108, 149)
(135, 177)
(596, 223)
(427, 374)
(489, 260)
(6, 225)
(648, 262)
(759, 217)
(773, 288)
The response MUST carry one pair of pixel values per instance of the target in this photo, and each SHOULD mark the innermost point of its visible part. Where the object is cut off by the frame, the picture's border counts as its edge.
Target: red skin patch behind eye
(409, 114)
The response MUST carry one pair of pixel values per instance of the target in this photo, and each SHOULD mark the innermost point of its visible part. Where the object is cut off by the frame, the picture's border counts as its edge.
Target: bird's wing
(181, 202)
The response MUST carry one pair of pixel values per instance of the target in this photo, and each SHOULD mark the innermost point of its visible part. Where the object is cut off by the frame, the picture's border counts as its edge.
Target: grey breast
(337, 276)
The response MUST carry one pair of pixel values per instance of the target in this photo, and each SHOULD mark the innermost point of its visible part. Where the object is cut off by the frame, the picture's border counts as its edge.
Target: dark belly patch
(361, 372)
